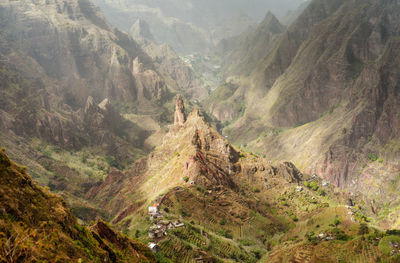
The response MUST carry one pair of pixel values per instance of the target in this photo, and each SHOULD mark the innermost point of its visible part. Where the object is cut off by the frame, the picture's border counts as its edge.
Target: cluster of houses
(160, 227)
(159, 230)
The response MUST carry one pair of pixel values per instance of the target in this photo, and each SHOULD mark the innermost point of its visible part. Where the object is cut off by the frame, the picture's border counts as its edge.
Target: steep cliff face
(72, 43)
(321, 95)
(36, 225)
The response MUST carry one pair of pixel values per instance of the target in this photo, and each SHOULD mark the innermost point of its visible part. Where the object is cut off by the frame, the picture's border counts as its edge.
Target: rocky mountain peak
(271, 23)
(180, 117)
(141, 31)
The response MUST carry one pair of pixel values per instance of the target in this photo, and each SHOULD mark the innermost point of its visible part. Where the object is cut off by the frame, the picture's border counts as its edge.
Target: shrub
(313, 186)
(225, 233)
(245, 242)
(311, 237)
(340, 235)
(363, 230)
(200, 189)
(137, 233)
(372, 157)
(222, 222)
(336, 222)
(394, 232)
(186, 179)
(184, 213)
(294, 217)
(256, 189)
(112, 162)
(257, 253)
(84, 157)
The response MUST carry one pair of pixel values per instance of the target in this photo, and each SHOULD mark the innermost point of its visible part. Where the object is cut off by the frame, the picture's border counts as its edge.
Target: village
(159, 229)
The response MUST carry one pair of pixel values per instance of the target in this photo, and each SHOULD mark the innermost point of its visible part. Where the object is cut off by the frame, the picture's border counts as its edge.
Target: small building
(153, 247)
(153, 210)
(156, 233)
(178, 224)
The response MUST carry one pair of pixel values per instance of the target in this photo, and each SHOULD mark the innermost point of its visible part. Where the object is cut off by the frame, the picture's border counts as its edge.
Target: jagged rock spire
(179, 118)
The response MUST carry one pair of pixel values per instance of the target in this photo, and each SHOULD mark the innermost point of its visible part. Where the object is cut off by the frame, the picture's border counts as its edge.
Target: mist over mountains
(193, 26)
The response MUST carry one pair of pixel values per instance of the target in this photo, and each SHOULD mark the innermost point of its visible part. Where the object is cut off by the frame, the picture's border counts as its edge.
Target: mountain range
(322, 94)
(293, 157)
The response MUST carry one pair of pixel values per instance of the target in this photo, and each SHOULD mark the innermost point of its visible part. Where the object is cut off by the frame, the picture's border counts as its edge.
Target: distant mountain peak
(140, 30)
(271, 23)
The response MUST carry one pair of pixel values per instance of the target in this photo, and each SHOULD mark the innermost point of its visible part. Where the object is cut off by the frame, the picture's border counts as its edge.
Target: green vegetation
(372, 157)
(386, 244)
(222, 222)
(312, 185)
(363, 230)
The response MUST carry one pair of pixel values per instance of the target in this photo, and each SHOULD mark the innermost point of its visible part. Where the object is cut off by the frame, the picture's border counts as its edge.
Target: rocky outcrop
(179, 116)
(192, 153)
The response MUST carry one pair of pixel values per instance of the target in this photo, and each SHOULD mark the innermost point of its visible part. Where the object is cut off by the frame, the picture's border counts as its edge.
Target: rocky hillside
(36, 225)
(217, 202)
(169, 64)
(325, 96)
(249, 47)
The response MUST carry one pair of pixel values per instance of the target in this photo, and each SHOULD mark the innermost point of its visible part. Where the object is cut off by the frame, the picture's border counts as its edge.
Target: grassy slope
(36, 225)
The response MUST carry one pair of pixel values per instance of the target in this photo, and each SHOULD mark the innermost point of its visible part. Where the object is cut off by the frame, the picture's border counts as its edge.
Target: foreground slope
(36, 225)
